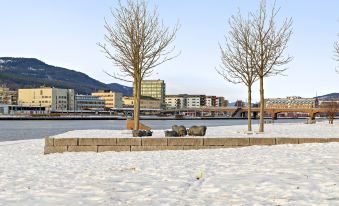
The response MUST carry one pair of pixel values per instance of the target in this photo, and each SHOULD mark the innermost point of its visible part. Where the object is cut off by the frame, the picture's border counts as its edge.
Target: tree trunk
(136, 99)
(249, 105)
(262, 105)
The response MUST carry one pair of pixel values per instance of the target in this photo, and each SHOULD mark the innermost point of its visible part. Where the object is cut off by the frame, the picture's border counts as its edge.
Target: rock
(148, 133)
(141, 133)
(180, 130)
(170, 134)
(197, 131)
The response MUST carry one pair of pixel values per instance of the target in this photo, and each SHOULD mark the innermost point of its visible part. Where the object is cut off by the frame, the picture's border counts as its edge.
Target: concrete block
(97, 141)
(55, 149)
(226, 141)
(49, 141)
(185, 141)
(287, 140)
(206, 147)
(312, 140)
(65, 141)
(154, 141)
(113, 148)
(262, 141)
(129, 141)
(333, 139)
(82, 149)
(155, 148)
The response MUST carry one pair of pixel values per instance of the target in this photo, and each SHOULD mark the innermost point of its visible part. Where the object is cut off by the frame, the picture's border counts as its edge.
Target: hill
(329, 96)
(30, 72)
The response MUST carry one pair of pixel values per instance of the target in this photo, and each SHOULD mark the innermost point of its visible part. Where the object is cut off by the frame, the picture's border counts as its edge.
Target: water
(21, 130)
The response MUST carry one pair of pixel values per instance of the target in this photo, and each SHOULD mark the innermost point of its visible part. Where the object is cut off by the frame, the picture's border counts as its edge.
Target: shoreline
(23, 118)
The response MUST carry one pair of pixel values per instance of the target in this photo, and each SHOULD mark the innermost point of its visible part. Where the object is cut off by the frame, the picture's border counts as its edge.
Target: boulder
(141, 133)
(180, 130)
(170, 134)
(197, 131)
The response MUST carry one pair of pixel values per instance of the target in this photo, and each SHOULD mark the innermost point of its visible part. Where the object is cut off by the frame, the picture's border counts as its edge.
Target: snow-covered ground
(318, 130)
(305, 174)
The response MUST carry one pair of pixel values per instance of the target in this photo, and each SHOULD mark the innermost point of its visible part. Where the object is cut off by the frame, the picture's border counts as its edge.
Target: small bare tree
(237, 65)
(331, 111)
(140, 42)
(267, 50)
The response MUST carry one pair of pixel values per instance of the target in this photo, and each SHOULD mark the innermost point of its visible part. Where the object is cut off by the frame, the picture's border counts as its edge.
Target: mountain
(329, 96)
(30, 72)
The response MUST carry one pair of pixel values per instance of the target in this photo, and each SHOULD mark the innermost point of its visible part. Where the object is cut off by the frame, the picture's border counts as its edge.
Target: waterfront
(36, 129)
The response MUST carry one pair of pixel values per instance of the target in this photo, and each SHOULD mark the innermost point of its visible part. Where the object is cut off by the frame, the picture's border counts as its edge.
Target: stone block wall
(60, 145)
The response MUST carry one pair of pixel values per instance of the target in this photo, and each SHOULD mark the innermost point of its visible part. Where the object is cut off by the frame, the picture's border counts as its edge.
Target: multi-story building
(155, 89)
(53, 99)
(7, 96)
(145, 103)
(211, 101)
(112, 99)
(291, 102)
(176, 101)
(196, 101)
(89, 102)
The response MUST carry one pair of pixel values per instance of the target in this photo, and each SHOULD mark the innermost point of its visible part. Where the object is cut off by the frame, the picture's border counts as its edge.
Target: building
(211, 101)
(145, 103)
(89, 102)
(182, 101)
(53, 99)
(291, 102)
(196, 101)
(7, 96)
(155, 89)
(21, 110)
(176, 101)
(112, 99)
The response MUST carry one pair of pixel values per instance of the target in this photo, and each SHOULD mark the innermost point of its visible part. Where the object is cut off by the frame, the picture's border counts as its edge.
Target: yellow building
(7, 96)
(145, 103)
(112, 99)
(54, 99)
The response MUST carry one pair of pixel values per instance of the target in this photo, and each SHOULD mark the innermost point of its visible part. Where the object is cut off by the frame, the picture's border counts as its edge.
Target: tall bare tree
(237, 65)
(267, 51)
(137, 41)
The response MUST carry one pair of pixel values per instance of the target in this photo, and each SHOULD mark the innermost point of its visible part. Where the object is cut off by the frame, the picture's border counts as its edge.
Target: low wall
(59, 145)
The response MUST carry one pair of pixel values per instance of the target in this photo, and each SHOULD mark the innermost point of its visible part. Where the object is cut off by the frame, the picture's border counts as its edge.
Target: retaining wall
(59, 145)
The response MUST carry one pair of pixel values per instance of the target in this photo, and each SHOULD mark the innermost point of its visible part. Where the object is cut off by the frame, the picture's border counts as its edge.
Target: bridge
(242, 111)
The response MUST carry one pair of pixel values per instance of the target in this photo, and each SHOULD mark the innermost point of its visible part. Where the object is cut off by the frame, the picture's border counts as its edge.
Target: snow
(305, 174)
(318, 130)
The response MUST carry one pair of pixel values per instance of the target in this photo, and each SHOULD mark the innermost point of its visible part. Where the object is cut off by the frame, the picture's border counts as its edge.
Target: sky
(65, 33)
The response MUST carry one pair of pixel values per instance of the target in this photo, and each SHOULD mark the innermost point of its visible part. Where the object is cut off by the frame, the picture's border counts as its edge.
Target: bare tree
(267, 50)
(237, 65)
(139, 42)
(331, 109)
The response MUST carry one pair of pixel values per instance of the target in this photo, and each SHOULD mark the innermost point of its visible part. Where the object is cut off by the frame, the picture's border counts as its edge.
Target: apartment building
(176, 101)
(112, 99)
(53, 99)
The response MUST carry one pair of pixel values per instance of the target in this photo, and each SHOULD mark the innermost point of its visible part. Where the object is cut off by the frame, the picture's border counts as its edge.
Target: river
(36, 129)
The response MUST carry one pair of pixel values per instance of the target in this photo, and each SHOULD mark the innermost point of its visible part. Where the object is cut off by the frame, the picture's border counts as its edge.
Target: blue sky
(64, 33)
